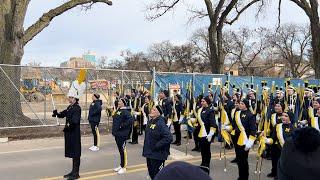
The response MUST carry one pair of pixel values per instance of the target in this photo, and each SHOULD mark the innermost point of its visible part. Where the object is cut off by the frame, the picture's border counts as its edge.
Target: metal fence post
(45, 97)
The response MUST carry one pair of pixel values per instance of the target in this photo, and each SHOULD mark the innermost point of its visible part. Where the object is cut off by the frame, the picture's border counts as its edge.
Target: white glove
(226, 127)
(249, 144)
(209, 137)
(268, 140)
(181, 119)
(258, 117)
(304, 122)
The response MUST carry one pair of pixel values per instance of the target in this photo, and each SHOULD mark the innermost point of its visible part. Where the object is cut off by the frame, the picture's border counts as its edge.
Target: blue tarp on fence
(163, 80)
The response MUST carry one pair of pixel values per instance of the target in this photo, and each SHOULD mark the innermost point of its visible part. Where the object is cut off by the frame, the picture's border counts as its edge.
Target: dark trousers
(196, 138)
(177, 130)
(154, 166)
(242, 161)
(275, 155)
(93, 129)
(135, 134)
(121, 143)
(75, 165)
(234, 142)
(205, 154)
(141, 129)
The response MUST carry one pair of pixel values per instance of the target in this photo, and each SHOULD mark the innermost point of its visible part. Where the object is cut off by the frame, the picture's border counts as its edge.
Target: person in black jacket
(245, 132)
(280, 133)
(94, 119)
(157, 141)
(72, 135)
(208, 128)
(300, 156)
(177, 110)
(122, 123)
(166, 105)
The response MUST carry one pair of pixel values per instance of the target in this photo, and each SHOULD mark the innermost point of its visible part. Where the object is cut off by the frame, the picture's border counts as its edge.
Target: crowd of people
(278, 121)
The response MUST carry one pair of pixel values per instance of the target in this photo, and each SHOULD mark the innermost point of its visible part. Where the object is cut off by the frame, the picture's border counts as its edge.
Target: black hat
(207, 99)
(180, 170)
(159, 109)
(246, 102)
(124, 101)
(291, 115)
(96, 95)
(165, 92)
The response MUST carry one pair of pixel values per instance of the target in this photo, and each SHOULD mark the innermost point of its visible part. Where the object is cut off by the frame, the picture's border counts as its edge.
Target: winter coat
(122, 123)
(72, 133)
(95, 111)
(157, 139)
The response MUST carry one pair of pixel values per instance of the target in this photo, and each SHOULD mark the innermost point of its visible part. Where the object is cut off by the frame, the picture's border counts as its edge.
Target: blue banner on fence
(200, 82)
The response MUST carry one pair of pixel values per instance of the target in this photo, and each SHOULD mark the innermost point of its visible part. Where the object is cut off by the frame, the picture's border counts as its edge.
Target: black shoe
(195, 149)
(134, 142)
(178, 144)
(184, 137)
(74, 176)
(271, 175)
(67, 175)
(234, 160)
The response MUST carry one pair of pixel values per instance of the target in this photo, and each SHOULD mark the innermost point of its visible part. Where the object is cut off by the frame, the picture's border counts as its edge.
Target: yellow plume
(82, 76)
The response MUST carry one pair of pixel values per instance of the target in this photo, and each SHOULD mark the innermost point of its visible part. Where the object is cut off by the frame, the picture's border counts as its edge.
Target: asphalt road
(44, 159)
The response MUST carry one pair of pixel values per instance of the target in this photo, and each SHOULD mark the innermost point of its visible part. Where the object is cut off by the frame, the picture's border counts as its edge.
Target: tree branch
(241, 11)
(159, 6)
(304, 5)
(46, 18)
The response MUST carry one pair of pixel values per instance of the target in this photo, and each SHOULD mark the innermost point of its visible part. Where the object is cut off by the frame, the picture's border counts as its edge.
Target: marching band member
(71, 130)
(166, 106)
(208, 128)
(280, 133)
(94, 117)
(157, 142)
(177, 110)
(122, 123)
(245, 132)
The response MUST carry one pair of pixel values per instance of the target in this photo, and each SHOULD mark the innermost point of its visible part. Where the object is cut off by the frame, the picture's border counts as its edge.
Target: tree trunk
(315, 29)
(215, 59)
(12, 15)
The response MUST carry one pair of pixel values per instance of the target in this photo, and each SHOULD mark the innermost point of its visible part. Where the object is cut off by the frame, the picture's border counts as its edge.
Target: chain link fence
(28, 95)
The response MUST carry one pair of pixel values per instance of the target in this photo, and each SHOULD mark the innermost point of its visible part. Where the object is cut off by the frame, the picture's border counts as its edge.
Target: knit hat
(96, 95)
(207, 99)
(291, 115)
(181, 171)
(246, 102)
(165, 92)
(123, 101)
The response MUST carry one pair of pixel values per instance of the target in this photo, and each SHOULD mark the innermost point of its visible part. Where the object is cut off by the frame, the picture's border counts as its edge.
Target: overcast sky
(106, 30)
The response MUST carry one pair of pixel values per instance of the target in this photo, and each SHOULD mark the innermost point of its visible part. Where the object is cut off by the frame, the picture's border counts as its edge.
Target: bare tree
(220, 13)
(292, 44)
(311, 8)
(164, 52)
(187, 58)
(245, 47)
(13, 38)
(102, 63)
